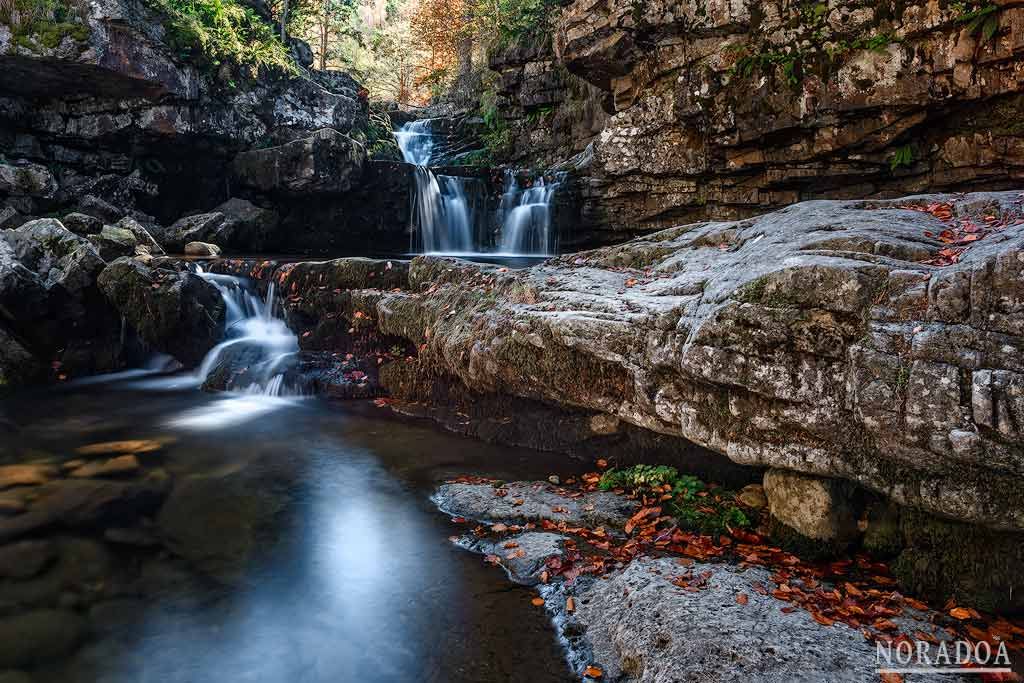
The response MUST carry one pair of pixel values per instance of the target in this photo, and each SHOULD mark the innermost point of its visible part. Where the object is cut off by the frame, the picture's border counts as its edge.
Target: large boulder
(818, 508)
(172, 311)
(836, 339)
(236, 224)
(324, 163)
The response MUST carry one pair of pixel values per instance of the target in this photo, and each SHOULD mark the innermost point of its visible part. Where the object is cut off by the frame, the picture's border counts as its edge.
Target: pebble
(124, 464)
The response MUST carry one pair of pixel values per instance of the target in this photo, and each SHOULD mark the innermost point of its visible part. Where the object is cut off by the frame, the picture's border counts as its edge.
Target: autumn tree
(439, 29)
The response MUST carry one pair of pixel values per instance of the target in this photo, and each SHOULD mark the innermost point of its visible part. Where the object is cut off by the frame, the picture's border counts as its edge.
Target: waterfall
(443, 209)
(525, 215)
(256, 338)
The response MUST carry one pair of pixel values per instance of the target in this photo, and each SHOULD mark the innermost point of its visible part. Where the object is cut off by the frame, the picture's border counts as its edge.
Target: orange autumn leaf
(570, 605)
(537, 602)
(742, 599)
(960, 613)
(891, 677)
(593, 672)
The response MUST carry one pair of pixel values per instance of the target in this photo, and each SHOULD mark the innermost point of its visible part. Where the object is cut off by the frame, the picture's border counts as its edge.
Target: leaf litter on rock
(856, 591)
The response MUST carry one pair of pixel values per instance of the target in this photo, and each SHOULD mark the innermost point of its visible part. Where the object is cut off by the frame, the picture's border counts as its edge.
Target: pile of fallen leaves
(963, 231)
(856, 591)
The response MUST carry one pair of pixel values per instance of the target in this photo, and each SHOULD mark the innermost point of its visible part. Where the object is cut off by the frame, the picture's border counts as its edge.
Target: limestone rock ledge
(812, 339)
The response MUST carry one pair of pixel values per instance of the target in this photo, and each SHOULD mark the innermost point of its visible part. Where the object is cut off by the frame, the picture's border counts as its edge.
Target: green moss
(44, 24)
(976, 566)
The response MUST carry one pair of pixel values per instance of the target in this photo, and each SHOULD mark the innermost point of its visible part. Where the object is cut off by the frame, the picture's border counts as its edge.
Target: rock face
(50, 308)
(114, 122)
(813, 339)
(731, 108)
(172, 311)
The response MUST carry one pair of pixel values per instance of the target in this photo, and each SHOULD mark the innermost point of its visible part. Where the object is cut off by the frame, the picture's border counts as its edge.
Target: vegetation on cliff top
(216, 32)
(43, 23)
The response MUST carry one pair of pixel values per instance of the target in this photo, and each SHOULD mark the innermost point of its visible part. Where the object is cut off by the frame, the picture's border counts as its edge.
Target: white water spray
(252, 329)
(526, 216)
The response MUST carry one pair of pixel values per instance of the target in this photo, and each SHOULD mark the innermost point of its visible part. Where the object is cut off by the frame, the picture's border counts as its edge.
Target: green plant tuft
(700, 507)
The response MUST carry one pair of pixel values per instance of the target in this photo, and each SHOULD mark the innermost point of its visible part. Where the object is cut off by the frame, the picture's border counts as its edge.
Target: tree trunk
(284, 22)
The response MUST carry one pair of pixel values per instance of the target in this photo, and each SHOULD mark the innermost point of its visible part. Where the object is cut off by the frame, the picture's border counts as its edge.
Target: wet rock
(113, 242)
(522, 556)
(204, 226)
(82, 224)
(219, 523)
(203, 249)
(174, 312)
(326, 162)
(246, 227)
(14, 677)
(87, 502)
(819, 508)
(115, 467)
(126, 447)
(18, 367)
(39, 637)
(26, 179)
(117, 616)
(25, 475)
(25, 559)
(532, 502)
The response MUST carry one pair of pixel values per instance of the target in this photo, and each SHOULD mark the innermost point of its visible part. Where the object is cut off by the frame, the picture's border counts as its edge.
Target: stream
(360, 582)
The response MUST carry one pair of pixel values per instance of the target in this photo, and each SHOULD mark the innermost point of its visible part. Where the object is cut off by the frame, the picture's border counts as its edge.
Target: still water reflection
(356, 582)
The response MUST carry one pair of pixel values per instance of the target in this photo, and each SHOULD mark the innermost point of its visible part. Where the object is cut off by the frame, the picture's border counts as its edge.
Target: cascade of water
(441, 208)
(252, 333)
(525, 216)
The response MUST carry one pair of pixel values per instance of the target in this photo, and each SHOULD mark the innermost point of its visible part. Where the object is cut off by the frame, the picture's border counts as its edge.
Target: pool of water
(357, 580)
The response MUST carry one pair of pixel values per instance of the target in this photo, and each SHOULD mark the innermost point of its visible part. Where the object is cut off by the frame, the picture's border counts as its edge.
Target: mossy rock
(977, 567)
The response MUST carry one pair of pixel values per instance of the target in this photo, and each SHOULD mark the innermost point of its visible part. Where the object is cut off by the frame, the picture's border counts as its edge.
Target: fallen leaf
(570, 605)
(593, 672)
(537, 602)
(742, 599)
(960, 613)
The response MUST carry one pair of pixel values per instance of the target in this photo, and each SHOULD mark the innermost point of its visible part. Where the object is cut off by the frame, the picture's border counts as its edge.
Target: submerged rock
(175, 312)
(39, 637)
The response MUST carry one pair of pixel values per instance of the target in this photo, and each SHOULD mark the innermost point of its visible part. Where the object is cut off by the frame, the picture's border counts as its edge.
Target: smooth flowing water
(450, 215)
(357, 582)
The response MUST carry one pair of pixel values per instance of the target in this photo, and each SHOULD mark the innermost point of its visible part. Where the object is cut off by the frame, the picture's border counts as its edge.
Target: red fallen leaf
(742, 599)
(822, 619)
(960, 613)
(559, 508)
(925, 637)
(884, 625)
(593, 672)
(459, 520)
(492, 559)
(510, 544)
(891, 677)
(518, 501)
(570, 605)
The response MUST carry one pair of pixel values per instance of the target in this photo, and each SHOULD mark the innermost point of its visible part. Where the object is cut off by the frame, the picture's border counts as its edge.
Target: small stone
(554, 479)
(204, 249)
(122, 447)
(753, 496)
(123, 464)
(25, 475)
